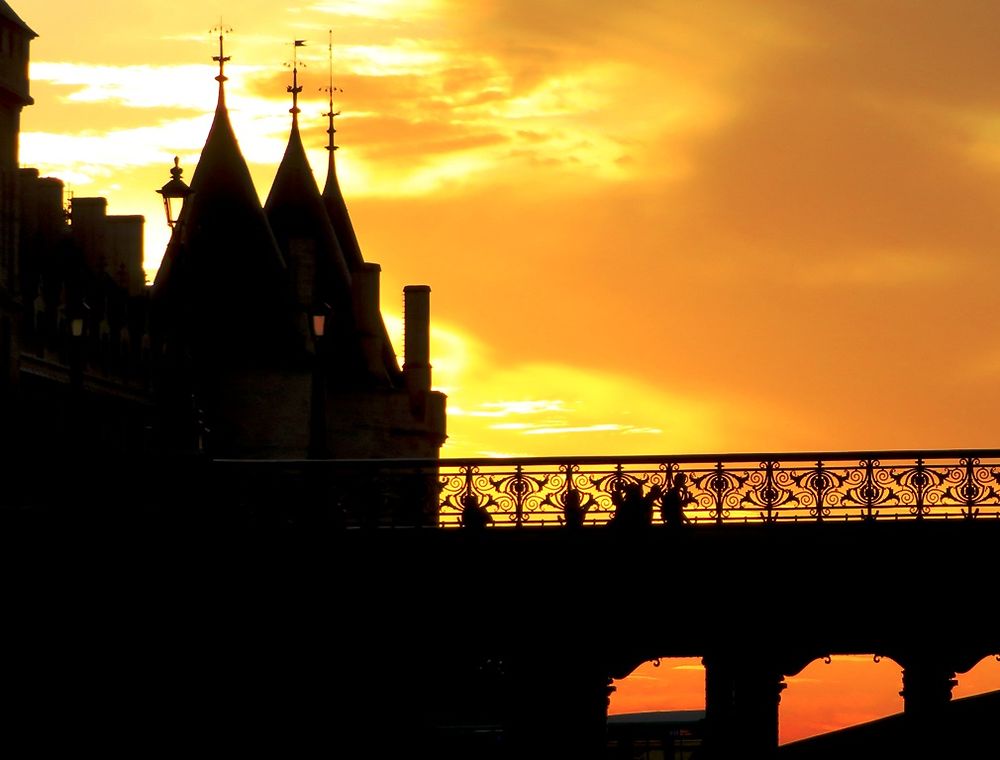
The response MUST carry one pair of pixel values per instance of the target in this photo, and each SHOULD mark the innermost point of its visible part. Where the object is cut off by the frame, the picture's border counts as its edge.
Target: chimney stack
(366, 285)
(417, 337)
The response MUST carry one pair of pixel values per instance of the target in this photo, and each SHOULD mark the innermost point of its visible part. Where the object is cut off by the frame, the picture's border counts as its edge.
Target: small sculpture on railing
(574, 508)
(674, 500)
(474, 515)
(633, 508)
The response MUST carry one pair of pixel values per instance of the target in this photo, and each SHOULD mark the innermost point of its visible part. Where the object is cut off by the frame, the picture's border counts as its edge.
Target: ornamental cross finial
(294, 89)
(221, 58)
(331, 130)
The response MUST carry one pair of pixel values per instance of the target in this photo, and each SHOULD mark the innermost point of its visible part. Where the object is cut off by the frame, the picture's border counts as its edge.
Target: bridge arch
(835, 692)
(983, 676)
(668, 683)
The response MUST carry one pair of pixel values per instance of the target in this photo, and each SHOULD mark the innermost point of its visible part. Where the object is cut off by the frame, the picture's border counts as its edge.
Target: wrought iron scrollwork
(919, 487)
(588, 492)
(869, 486)
(971, 486)
(518, 494)
(770, 489)
(718, 491)
(818, 489)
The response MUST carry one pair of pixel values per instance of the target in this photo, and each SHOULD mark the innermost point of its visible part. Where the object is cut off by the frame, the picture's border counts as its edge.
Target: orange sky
(650, 226)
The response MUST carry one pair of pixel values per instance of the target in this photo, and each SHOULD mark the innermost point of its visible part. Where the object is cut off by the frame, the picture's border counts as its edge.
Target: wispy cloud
(508, 408)
(377, 9)
(134, 86)
(599, 428)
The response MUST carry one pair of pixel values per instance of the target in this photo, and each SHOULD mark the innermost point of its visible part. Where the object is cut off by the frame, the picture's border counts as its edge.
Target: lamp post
(175, 190)
(75, 417)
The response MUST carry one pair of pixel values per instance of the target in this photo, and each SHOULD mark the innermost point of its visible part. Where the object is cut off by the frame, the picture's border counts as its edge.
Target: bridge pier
(927, 685)
(558, 708)
(742, 695)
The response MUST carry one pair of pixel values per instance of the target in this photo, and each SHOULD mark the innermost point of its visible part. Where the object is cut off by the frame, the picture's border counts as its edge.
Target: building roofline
(8, 13)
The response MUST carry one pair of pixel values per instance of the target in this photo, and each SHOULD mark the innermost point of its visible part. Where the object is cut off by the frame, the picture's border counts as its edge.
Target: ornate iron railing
(695, 489)
(888, 485)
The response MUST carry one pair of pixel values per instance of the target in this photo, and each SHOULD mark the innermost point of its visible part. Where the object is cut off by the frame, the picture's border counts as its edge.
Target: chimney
(365, 283)
(88, 223)
(417, 337)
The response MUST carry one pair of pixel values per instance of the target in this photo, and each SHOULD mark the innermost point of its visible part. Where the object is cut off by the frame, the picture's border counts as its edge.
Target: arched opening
(844, 691)
(677, 683)
(984, 677)
(656, 713)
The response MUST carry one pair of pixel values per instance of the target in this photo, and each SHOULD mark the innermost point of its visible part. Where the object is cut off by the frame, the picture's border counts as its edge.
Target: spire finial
(331, 130)
(294, 89)
(221, 58)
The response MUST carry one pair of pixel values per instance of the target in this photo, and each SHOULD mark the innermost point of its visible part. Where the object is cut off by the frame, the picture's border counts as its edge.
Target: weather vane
(221, 58)
(294, 88)
(331, 114)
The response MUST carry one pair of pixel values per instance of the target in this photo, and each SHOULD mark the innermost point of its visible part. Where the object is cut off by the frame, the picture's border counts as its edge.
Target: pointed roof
(6, 12)
(222, 266)
(295, 210)
(336, 208)
(303, 231)
(333, 198)
(340, 218)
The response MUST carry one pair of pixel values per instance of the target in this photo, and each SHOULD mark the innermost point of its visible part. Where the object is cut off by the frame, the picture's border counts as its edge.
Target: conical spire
(333, 198)
(222, 266)
(318, 272)
(340, 218)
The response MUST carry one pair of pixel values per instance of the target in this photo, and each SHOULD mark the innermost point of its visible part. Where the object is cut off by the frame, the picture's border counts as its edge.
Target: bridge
(383, 606)
(571, 492)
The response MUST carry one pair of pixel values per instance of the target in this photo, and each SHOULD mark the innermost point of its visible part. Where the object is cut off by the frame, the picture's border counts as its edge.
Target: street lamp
(78, 319)
(175, 190)
(317, 426)
(318, 324)
(77, 325)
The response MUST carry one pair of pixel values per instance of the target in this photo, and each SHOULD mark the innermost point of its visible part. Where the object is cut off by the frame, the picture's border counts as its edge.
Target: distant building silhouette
(660, 735)
(15, 39)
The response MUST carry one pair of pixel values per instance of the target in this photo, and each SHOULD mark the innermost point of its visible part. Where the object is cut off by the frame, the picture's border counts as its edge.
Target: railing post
(820, 490)
(719, 486)
(868, 491)
(769, 490)
(920, 481)
(969, 487)
(519, 491)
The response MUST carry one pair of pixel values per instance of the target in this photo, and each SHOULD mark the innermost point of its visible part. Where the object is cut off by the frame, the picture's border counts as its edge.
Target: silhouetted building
(262, 336)
(73, 350)
(15, 39)
(273, 332)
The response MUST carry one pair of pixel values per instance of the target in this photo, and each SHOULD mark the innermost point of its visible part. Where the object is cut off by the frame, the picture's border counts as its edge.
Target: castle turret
(223, 274)
(318, 275)
(379, 352)
(224, 308)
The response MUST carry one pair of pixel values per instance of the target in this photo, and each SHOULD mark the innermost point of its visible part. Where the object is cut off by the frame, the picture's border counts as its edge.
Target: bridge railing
(695, 489)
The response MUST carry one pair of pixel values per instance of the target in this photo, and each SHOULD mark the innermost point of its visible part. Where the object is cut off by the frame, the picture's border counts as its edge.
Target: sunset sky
(650, 227)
